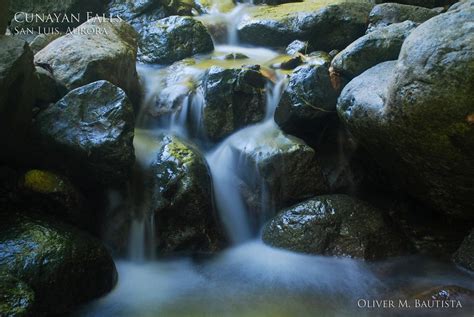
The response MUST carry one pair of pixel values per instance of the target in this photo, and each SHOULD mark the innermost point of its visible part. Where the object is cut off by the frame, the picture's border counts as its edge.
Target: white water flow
(174, 103)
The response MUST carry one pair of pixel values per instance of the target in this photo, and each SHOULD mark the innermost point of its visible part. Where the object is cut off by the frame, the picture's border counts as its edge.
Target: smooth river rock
(64, 267)
(327, 25)
(172, 39)
(92, 126)
(336, 225)
(378, 46)
(87, 58)
(416, 117)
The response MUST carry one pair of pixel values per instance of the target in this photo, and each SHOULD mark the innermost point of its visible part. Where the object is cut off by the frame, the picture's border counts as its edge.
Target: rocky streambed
(232, 158)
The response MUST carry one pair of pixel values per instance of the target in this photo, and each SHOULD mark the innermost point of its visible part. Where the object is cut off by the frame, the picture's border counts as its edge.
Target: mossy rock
(336, 225)
(64, 267)
(326, 24)
(16, 298)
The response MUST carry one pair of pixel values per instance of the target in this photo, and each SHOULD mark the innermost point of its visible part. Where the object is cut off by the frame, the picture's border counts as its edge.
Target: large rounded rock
(17, 94)
(92, 126)
(336, 225)
(307, 101)
(385, 14)
(63, 266)
(178, 183)
(464, 256)
(420, 124)
(108, 54)
(233, 98)
(172, 39)
(379, 46)
(326, 25)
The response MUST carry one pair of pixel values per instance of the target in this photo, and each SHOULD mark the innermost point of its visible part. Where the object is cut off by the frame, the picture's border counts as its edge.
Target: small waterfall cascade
(174, 103)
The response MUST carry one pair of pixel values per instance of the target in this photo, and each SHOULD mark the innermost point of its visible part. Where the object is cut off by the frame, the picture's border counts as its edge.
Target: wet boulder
(423, 110)
(179, 185)
(48, 89)
(298, 46)
(172, 39)
(233, 98)
(336, 225)
(288, 167)
(92, 126)
(325, 26)
(308, 100)
(421, 3)
(464, 256)
(16, 298)
(385, 14)
(378, 46)
(17, 94)
(67, 13)
(64, 267)
(109, 54)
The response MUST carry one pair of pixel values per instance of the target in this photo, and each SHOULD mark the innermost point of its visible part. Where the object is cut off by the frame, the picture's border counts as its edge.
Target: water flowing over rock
(179, 188)
(64, 267)
(172, 39)
(92, 126)
(326, 25)
(233, 98)
(464, 256)
(336, 225)
(85, 59)
(17, 298)
(385, 14)
(67, 11)
(308, 101)
(423, 112)
(17, 94)
(378, 46)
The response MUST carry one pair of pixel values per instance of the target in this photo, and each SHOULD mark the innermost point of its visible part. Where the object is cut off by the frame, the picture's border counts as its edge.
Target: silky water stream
(249, 278)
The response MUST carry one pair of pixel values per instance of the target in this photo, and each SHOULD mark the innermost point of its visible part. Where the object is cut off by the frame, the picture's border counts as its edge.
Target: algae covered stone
(178, 185)
(326, 25)
(336, 225)
(64, 267)
(172, 39)
(16, 298)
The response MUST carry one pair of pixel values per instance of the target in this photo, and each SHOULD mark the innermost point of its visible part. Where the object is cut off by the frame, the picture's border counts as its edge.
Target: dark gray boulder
(92, 126)
(336, 225)
(464, 256)
(423, 112)
(64, 267)
(233, 98)
(308, 100)
(421, 3)
(178, 183)
(48, 89)
(385, 14)
(326, 26)
(106, 55)
(378, 46)
(172, 39)
(17, 94)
